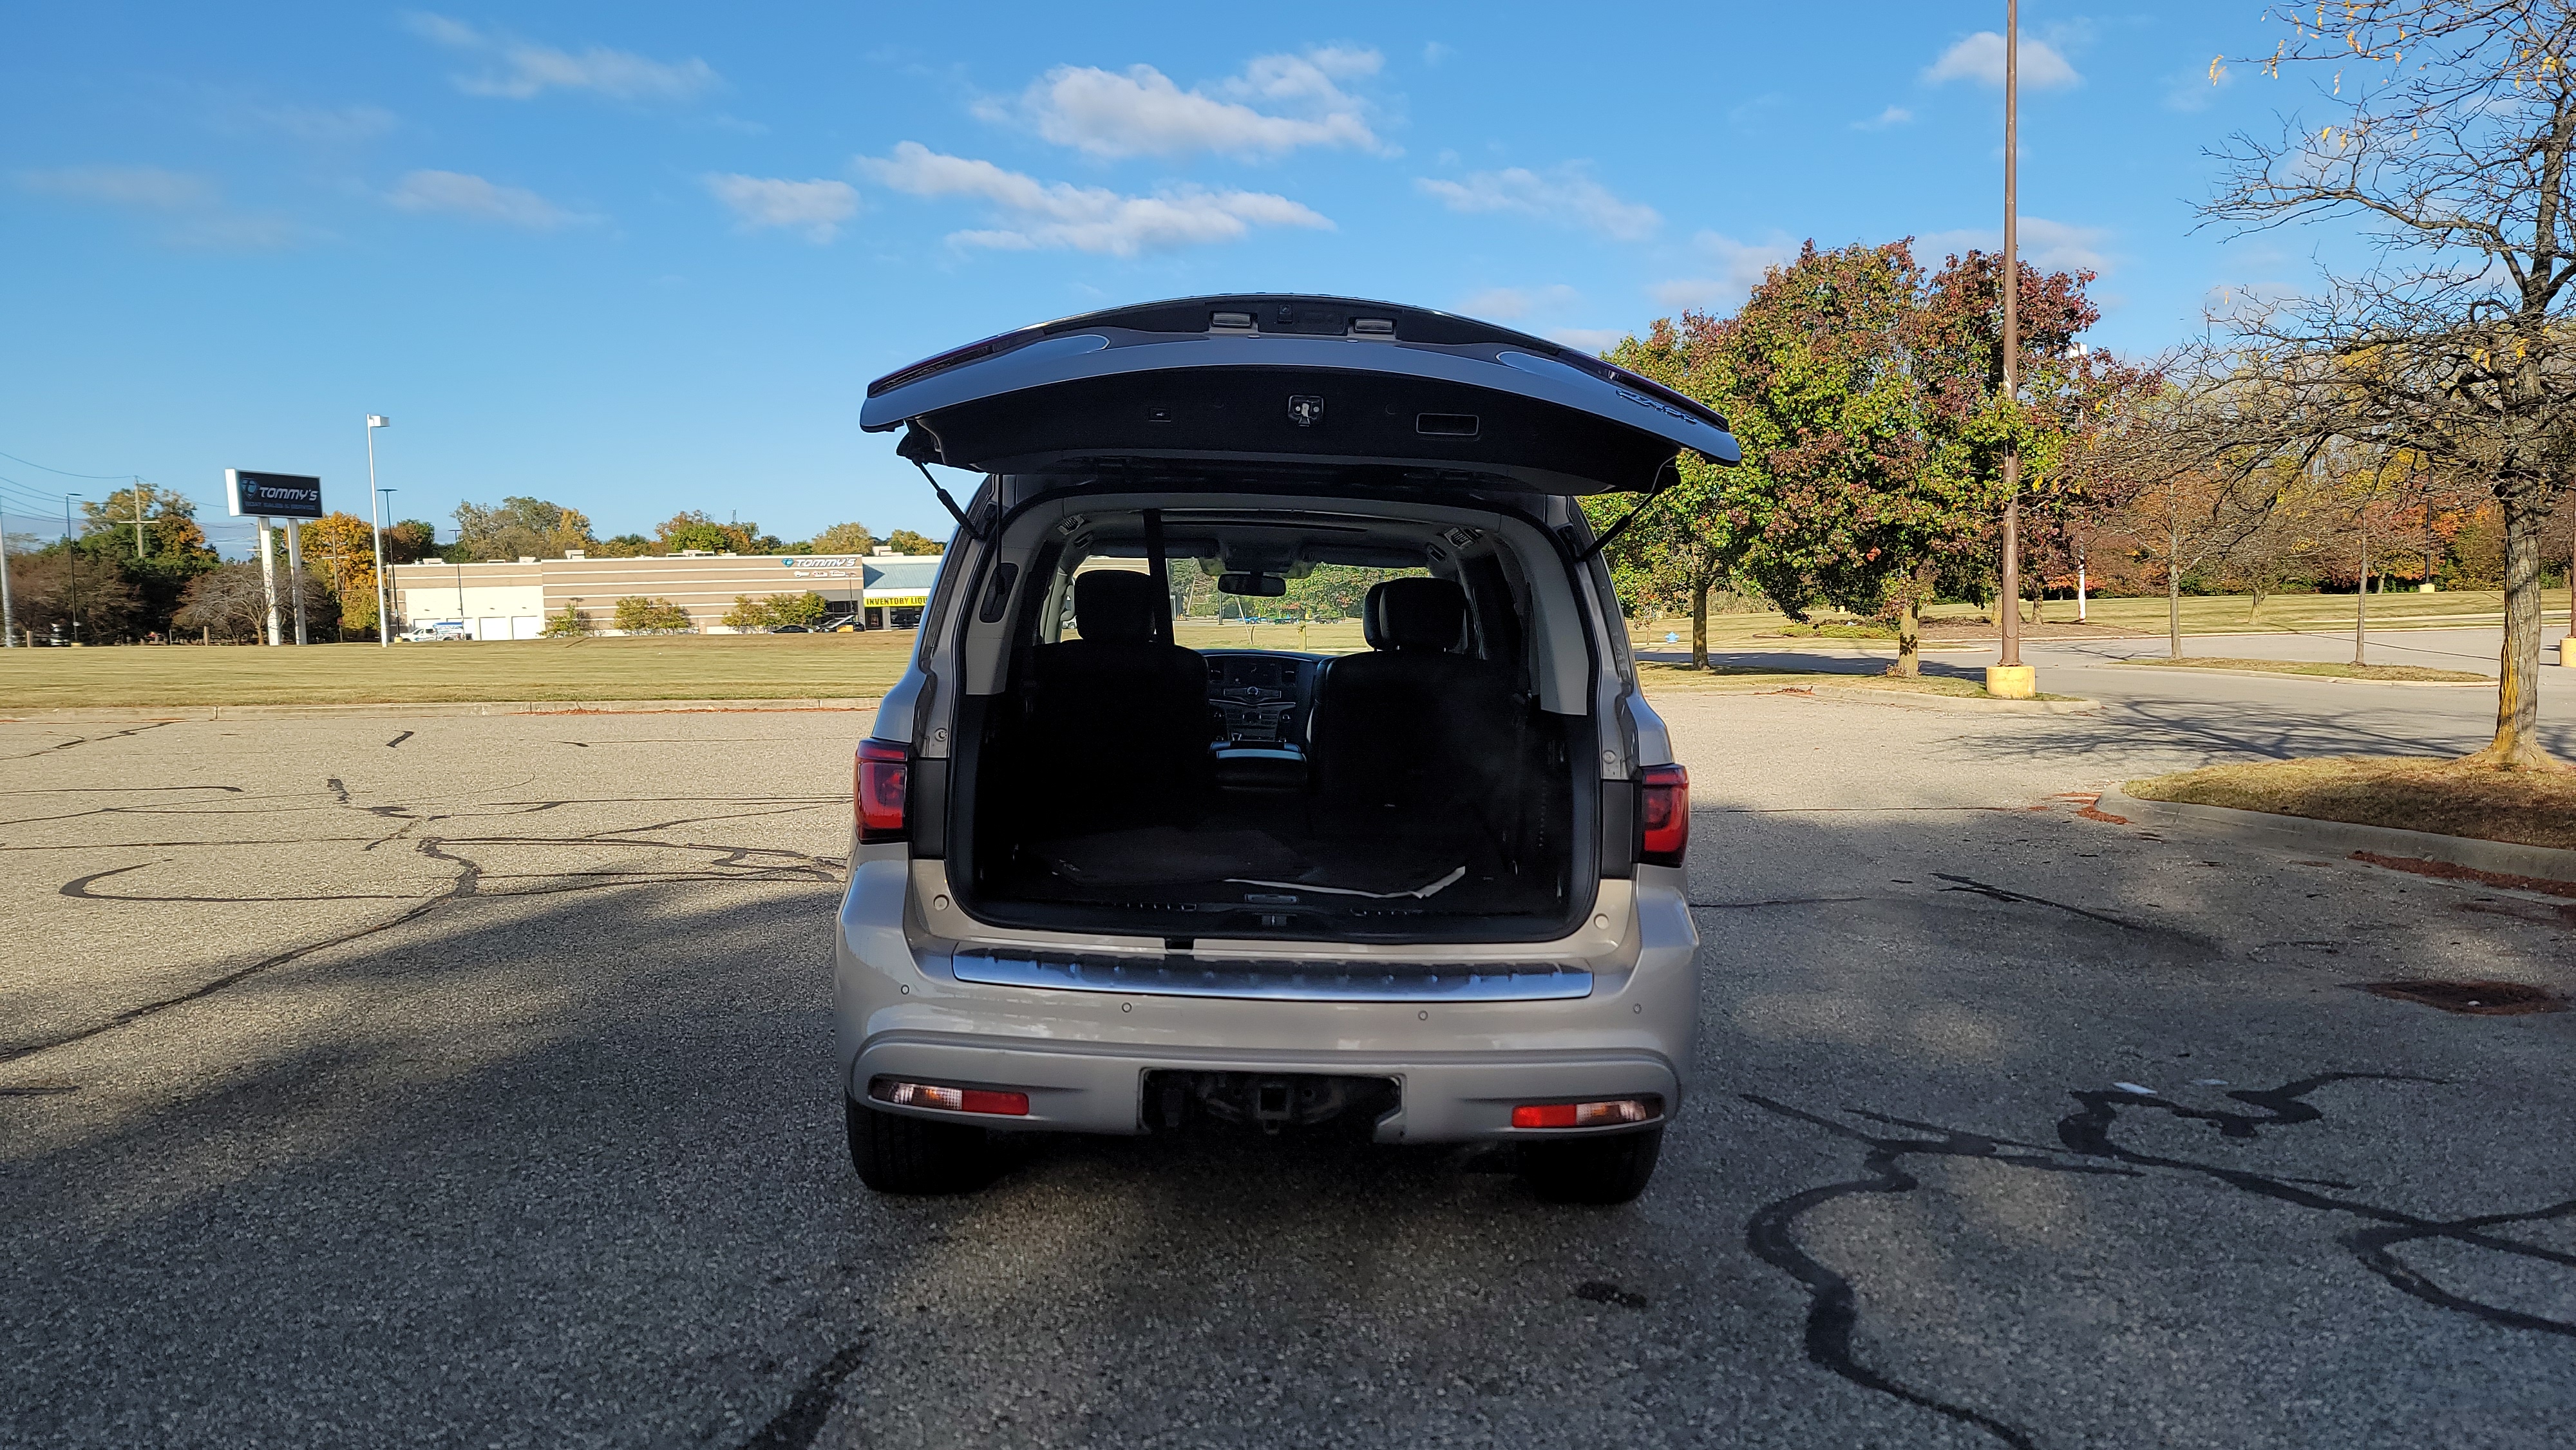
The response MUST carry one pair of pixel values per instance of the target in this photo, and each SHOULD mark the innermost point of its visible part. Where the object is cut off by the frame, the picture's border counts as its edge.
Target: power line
(65, 472)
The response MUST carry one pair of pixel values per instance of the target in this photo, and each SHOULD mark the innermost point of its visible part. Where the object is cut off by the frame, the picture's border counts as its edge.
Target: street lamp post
(2009, 677)
(384, 633)
(71, 567)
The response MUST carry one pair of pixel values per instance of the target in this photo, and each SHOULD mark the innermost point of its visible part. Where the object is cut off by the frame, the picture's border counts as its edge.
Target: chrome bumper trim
(1288, 980)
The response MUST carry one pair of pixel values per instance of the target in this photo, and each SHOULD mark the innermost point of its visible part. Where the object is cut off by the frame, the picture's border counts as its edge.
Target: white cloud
(1278, 104)
(1590, 339)
(520, 69)
(322, 125)
(2047, 245)
(1566, 194)
(2192, 89)
(460, 194)
(1046, 214)
(1892, 116)
(1740, 267)
(814, 208)
(149, 188)
(1980, 58)
(1502, 304)
(1435, 52)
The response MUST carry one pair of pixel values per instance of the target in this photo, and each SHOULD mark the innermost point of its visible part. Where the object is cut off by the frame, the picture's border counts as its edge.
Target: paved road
(463, 1081)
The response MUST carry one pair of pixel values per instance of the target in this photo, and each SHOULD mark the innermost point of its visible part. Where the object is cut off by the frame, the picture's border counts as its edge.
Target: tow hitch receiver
(1268, 1101)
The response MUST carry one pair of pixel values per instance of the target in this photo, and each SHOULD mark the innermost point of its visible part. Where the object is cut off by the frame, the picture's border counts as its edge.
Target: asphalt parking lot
(465, 1081)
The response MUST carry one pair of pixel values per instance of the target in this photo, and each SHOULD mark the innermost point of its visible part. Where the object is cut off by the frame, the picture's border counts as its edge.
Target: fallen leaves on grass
(2416, 673)
(2446, 797)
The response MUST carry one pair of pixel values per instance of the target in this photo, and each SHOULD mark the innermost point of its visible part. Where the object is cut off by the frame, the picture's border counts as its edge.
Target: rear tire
(1613, 1168)
(898, 1154)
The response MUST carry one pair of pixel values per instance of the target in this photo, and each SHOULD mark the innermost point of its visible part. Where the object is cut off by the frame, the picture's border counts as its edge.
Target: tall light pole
(375, 520)
(2009, 677)
(71, 567)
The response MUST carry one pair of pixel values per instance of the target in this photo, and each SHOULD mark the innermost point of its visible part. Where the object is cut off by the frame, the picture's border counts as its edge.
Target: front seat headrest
(1111, 606)
(1414, 614)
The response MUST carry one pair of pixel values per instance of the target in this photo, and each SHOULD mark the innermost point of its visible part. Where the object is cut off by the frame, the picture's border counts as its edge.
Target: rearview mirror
(1265, 586)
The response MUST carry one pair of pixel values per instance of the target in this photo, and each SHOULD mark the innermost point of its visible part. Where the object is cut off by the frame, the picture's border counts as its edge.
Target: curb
(1909, 700)
(2294, 675)
(114, 714)
(2498, 858)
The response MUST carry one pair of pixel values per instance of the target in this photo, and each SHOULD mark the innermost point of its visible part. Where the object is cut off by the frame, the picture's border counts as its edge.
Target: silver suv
(1429, 891)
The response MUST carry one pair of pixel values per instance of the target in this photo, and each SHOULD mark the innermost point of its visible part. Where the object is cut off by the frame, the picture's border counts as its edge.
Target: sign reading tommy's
(272, 495)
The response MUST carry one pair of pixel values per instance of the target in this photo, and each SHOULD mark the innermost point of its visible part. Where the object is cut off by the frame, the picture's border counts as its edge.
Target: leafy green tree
(849, 538)
(750, 615)
(905, 541)
(806, 609)
(1684, 546)
(519, 528)
(171, 549)
(410, 541)
(622, 546)
(694, 529)
(637, 614)
(568, 623)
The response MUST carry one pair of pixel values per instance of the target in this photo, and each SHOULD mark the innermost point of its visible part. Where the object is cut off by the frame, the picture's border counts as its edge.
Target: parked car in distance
(789, 629)
(435, 632)
(1431, 892)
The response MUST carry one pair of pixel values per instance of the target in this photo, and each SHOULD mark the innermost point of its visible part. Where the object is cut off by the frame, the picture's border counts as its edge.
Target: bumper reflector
(955, 1100)
(1586, 1115)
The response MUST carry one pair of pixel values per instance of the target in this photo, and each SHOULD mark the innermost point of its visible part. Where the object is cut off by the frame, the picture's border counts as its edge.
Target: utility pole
(384, 633)
(2009, 677)
(71, 567)
(8, 607)
(142, 550)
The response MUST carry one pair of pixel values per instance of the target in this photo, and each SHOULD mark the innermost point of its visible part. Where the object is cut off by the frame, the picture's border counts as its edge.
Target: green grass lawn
(2416, 673)
(2202, 614)
(655, 667)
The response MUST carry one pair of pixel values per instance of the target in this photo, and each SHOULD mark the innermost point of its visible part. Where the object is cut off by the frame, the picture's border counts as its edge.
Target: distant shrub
(806, 609)
(571, 623)
(639, 615)
(750, 616)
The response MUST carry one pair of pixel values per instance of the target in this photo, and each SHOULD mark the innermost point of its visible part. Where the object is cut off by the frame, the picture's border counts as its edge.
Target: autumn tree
(230, 604)
(1682, 546)
(1840, 499)
(520, 528)
(905, 541)
(695, 529)
(850, 538)
(2447, 134)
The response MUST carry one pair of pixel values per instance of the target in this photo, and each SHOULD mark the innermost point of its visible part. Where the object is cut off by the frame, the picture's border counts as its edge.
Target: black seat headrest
(1111, 606)
(1415, 614)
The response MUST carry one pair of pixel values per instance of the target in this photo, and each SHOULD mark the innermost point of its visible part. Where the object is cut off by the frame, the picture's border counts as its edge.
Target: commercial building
(884, 590)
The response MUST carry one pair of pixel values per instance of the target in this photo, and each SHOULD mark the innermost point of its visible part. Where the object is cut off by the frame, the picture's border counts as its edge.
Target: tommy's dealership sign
(272, 495)
(825, 566)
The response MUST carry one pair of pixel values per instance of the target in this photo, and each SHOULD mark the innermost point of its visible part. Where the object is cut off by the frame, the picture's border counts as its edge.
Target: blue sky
(637, 257)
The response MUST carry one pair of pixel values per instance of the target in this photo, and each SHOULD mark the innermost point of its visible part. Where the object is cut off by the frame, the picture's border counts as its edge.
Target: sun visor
(1499, 408)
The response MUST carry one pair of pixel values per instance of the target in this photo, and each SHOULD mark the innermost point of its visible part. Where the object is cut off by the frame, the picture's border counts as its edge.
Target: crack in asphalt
(89, 739)
(797, 1426)
(1833, 1312)
(398, 740)
(1999, 893)
(740, 864)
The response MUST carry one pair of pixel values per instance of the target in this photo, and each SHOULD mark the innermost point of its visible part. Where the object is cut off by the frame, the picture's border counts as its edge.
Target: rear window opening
(1421, 770)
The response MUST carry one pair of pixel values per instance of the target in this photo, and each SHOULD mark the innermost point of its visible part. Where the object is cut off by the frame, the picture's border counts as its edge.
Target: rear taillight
(1663, 815)
(878, 785)
(953, 1099)
(1611, 1114)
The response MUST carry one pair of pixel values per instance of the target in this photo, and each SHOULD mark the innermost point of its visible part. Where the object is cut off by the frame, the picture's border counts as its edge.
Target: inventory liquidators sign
(272, 495)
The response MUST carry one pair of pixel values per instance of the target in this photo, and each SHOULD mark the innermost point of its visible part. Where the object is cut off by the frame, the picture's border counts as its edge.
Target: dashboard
(1262, 697)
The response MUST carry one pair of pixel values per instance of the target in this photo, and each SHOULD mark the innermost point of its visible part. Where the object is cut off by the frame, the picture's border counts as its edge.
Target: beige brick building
(514, 600)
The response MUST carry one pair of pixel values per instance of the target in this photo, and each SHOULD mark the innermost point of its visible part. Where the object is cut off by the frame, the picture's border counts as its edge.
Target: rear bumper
(1445, 1098)
(1082, 1056)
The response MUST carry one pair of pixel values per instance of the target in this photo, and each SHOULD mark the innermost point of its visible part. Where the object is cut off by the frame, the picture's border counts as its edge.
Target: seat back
(1412, 732)
(1115, 725)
